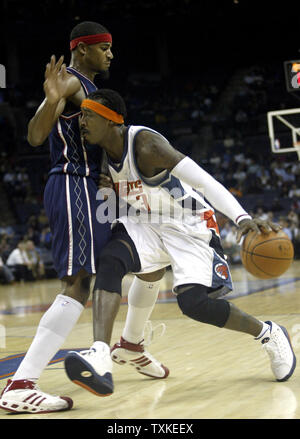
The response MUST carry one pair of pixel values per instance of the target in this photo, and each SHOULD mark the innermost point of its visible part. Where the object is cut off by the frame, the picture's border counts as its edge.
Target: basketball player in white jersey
(169, 222)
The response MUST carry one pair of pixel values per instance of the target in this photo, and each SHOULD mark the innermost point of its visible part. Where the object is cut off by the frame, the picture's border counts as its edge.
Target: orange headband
(102, 110)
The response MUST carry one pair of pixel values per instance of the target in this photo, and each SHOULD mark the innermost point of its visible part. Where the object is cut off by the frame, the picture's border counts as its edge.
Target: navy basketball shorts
(77, 237)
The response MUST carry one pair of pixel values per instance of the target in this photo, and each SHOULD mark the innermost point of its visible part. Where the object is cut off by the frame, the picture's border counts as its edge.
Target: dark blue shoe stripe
(82, 373)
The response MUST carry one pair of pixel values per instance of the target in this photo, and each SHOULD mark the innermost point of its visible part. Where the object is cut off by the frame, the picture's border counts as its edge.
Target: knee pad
(115, 261)
(196, 304)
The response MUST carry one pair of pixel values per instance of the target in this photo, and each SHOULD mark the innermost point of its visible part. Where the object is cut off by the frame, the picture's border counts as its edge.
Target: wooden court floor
(214, 373)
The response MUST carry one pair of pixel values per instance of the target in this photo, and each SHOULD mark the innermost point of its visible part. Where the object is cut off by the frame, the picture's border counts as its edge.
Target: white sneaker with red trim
(24, 396)
(125, 352)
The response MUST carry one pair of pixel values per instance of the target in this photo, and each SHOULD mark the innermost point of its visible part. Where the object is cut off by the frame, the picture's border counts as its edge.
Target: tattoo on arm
(154, 153)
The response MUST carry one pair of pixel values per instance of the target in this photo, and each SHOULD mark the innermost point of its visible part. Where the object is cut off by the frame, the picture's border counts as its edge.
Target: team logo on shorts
(221, 270)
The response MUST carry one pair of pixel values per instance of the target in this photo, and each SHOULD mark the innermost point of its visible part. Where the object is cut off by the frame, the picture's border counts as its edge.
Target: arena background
(203, 73)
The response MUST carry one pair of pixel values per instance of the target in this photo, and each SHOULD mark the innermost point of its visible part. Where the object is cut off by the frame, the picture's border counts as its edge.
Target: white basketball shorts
(188, 250)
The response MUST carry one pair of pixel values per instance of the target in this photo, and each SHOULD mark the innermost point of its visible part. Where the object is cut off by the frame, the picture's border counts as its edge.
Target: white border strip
(91, 225)
(87, 169)
(65, 150)
(69, 211)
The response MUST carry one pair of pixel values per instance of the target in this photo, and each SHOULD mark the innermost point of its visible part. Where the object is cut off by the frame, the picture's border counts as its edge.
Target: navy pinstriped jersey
(68, 154)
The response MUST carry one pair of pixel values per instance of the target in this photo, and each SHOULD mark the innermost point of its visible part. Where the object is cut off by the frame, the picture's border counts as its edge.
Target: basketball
(266, 256)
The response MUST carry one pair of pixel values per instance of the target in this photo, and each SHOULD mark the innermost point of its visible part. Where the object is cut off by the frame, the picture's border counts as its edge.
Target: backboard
(284, 131)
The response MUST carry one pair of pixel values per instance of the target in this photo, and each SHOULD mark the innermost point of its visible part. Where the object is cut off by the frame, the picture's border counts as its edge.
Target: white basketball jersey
(159, 199)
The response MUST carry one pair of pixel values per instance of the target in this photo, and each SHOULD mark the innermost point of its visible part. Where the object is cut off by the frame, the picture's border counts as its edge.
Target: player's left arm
(155, 153)
(59, 86)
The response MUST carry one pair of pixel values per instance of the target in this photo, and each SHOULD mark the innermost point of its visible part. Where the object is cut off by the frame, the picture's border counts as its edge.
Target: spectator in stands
(43, 219)
(46, 238)
(284, 190)
(36, 264)
(261, 214)
(6, 275)
(3, 241)
(283, 172)
(19, 263)
(296, 205)
(240, 174)
(271, 216)
(240, 158)
(286, 226)
(33, 235)
(5, 247)
(33, 222)
(22, 175)
(253, 167)
(9, 177)
(229, 141)
(215, 159)
(293, 217)
(230, 246)
(294, 191)
(295, 169)
(265, 178)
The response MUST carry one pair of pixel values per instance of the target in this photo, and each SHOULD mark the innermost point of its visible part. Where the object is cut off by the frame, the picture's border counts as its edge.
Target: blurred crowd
(228, 137)
(25, 244)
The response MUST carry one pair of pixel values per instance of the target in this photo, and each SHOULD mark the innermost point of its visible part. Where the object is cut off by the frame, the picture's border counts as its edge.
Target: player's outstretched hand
(255, 225)
(55, 80)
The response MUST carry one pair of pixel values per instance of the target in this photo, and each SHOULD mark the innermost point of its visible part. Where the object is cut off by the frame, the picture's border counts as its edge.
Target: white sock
(142, 296)
(263, 331)
(53, 329)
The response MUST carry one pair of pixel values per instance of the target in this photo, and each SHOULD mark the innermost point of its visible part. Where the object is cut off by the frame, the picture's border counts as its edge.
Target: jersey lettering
(130, 190)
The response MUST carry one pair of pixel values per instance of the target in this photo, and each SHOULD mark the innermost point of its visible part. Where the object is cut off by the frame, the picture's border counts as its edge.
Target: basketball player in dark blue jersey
(71, 204)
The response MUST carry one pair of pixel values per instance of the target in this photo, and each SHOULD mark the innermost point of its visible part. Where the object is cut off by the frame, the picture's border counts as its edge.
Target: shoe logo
(86, 373)
(221, 270)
